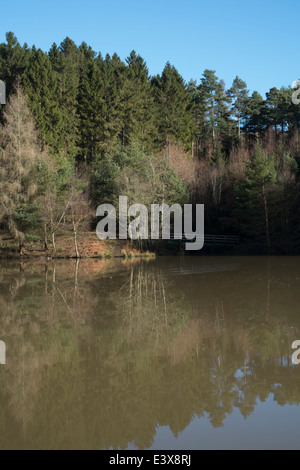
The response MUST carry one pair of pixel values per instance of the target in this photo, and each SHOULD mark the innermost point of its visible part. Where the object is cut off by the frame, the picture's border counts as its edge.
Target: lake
(179, 352)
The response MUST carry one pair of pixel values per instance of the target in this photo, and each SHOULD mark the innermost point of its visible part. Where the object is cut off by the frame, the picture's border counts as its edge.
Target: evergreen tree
(114, 76)
(254, 195)
(41, 86)
(91, 106)
(13, 60)
(214, 104)
(137, 103)
(278, 104)
(255, 106)
(214, 99)
(66, 66)
(238, 94)
(175, 117)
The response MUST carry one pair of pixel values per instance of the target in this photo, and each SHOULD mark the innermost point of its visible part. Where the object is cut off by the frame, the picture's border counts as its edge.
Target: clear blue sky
(256, 40)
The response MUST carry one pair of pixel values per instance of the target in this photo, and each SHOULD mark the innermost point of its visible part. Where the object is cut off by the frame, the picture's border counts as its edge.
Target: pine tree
(13, 60)
(254, 195)
(278, 104)
(41, 86)
(113, 71)
(136, 103)
(212, 95)
(255, 107)
(90, 106)
(238, 94)
(196, 107)
(175, 116)
(66, 66)
(213, 103)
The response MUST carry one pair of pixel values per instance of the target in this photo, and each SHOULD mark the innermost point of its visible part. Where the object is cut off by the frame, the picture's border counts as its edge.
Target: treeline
(80, 129)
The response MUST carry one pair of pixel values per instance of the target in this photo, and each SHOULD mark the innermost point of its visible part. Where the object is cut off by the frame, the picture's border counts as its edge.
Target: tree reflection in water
(100, 354)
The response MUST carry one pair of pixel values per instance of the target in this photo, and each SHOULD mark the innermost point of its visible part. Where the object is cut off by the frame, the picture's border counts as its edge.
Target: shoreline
(89, 247)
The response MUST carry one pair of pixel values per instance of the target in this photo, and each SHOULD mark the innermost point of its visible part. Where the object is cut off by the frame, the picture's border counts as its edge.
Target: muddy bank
(89, 246)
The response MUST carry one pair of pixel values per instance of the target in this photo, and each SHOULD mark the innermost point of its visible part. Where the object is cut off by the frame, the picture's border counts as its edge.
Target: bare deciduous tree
(78, 210)
(19, 156)
(53, 214)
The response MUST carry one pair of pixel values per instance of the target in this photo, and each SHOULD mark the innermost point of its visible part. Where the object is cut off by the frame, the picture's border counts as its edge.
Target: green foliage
(41, 86)
(239, 94)
(29, 237)
(254, 195)
(175, 118)
(145, 179)
(103, 186)
(27, 217)
(122, 125)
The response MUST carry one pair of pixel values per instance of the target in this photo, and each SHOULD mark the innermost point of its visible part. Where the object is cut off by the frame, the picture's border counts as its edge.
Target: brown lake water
(173, 353)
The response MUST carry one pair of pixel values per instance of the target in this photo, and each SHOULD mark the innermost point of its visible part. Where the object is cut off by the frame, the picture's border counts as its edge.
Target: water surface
(172, 353)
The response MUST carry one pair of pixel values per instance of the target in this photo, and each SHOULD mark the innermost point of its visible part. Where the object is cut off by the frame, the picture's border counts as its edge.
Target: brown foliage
(19, 155)
(182, 163)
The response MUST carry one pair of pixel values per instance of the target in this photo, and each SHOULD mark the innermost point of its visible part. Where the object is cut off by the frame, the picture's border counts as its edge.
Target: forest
(79, 129)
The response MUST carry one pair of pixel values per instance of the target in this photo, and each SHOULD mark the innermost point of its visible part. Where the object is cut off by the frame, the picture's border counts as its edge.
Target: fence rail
(224, 240)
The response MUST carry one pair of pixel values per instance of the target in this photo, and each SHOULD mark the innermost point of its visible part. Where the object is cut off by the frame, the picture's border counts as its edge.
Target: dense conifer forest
(79, 129)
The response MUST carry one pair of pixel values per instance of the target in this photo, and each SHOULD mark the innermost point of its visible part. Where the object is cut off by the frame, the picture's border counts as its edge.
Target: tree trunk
(75, 240)
(45, 237)
(53, 242)
(267, 219)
